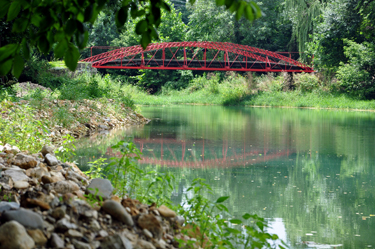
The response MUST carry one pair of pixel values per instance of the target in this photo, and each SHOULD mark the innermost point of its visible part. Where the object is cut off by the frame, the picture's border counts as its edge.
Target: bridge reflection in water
(203, 153)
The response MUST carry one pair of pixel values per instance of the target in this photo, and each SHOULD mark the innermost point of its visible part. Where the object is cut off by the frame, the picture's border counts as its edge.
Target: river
(310, 173)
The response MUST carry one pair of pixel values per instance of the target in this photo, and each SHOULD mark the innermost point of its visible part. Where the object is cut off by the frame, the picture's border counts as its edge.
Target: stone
(48, 179)
(27, 218)
(56, 242)
(73, 233)
(14, 236)
(11, 149)
(38, 237)
(64, 187)
(51, 160)
(103, 127)
(77, 176)
(94, 225)
(180, 220)
(4, 206)
(160, 244)
(149, 222)
(25, 161)
(6, 182)
(39, 172)
(16, 175)
(103, 186)
(21, 185)
(116, 198)
(142, 244)
(103, 233)
(147, 233)
(64, 225)
(57, 176)
(118, 212)
(80, 245)
(91, 214)
(166, 212)
(47, 150)
(39, 203)
(59, 212)
(116, 241)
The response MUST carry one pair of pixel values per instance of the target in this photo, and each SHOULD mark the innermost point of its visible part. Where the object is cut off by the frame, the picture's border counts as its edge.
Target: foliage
(18, 127)
(209, 23)
(60, 26)
(337, 22)
(208, 221)
(358, 75)
(272, 31)
(103, 31)
(302, 16)
(306, 82)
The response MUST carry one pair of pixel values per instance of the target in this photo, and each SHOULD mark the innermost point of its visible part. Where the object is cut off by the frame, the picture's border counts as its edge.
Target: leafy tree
(337, 22)
(104, 30)
(59, 25)
(302, 14)
(207, 22)
(272, 31)
(367, 11)
(358, 75)
(172, 29)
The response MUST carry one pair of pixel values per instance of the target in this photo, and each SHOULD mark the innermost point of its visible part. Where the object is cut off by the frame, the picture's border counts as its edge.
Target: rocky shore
(49, 204)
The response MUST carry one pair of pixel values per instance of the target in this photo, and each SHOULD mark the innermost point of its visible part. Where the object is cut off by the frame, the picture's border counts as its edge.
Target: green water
(311, 173)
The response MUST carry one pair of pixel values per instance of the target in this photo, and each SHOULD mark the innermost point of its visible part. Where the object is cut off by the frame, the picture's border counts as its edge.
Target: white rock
(51, 160)
(21, 185)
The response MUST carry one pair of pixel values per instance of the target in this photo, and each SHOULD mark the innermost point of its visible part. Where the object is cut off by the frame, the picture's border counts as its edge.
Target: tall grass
(307, 90)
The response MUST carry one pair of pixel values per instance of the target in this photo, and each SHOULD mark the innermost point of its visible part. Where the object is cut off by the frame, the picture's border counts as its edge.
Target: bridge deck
(198, 65)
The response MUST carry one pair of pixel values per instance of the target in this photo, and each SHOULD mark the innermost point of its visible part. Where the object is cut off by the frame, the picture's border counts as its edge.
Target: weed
(205, 220)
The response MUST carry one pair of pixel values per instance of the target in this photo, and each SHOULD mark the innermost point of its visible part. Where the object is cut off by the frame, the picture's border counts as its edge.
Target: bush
(357, 76)
(306, 82)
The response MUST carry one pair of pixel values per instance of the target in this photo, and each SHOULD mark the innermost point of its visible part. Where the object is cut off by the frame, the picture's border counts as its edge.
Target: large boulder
(25, 217)
(14, 236)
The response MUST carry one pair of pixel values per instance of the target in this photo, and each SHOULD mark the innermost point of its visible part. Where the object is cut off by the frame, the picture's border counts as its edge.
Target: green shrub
(19, 127)
(306, 82)
(357, 76)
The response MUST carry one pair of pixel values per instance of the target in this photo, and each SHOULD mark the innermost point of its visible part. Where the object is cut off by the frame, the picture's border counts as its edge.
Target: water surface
(311, 173)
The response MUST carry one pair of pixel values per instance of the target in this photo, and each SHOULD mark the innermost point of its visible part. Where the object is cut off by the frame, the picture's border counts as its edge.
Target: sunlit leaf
(13, 11)
(222, 199)
(235, 221)
(71, 57)
(246, 216)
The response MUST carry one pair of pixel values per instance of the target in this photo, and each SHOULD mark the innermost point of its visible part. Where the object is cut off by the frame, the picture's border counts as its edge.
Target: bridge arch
(205, 56)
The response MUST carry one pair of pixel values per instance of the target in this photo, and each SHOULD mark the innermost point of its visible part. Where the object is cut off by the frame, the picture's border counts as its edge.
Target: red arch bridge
(205, 56)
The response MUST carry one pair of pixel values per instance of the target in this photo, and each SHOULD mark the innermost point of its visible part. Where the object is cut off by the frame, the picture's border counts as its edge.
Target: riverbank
(315, 100)
(266, 91)
(46, 185)
(34, 119)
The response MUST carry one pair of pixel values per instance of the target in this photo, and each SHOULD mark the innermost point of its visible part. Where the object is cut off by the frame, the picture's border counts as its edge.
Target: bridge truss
(205, 56)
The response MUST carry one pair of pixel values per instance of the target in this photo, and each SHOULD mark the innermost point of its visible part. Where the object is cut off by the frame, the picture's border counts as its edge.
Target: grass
(60, 64)
(266, 90)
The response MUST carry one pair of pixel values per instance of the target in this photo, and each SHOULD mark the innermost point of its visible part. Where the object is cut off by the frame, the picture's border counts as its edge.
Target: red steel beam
(273, 61)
